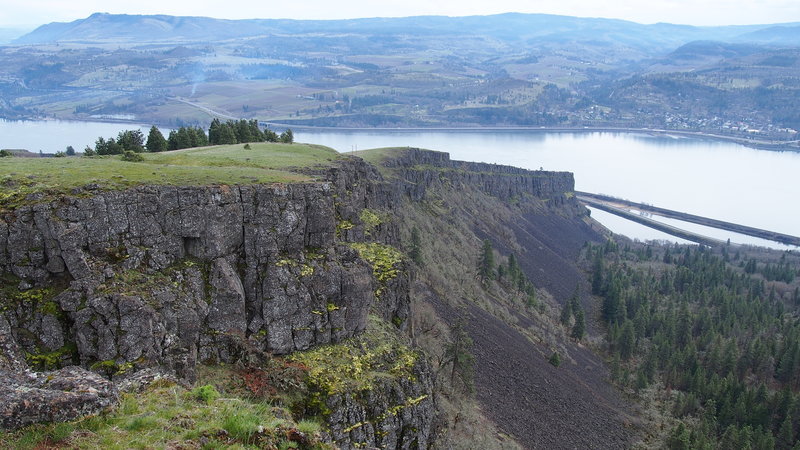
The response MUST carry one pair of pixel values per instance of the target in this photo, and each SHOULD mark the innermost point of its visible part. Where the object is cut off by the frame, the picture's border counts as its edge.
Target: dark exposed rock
(29, 397)
(156, 278)
(65, 394)
(424, 169)
(396, 413)
(141, 380)
(272, 275)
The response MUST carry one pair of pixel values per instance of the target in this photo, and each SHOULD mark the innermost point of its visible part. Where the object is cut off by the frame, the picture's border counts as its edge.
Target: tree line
(219, 133)
(723, 335)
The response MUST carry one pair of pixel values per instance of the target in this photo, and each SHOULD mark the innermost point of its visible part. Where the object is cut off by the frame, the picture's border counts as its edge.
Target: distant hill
(499, 70)
(788, 35)
(510, 27)
(9, 34)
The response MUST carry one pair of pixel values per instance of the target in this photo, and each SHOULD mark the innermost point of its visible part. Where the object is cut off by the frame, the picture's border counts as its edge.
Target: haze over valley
(402, 233)
(523, 70)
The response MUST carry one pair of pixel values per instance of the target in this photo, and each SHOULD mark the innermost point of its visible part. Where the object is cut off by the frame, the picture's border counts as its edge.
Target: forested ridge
(717, 334)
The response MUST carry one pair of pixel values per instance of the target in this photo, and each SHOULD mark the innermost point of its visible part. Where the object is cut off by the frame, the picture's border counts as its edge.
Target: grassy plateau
(223, 164)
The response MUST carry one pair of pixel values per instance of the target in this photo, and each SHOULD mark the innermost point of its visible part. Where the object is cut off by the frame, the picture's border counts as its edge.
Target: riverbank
(761, 144)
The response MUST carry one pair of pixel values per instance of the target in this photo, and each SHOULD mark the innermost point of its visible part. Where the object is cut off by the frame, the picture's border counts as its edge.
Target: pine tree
(597, 275)
(501, 272)
(785, 438)
(627, 341)
(214, 132)
(486, 262)
(287, 137)
(566, 313)
(679, 438)
(555, 359)
(458, 353)
(132, 140)
(155, 140)
(579, 329)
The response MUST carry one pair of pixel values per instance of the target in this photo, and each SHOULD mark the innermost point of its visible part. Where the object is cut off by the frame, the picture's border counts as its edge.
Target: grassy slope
(225, 164)
(167, 415)
(376, 156)
(260, 406)
(519, 394)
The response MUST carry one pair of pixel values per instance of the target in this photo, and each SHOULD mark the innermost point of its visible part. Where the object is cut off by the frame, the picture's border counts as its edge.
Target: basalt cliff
(102, 286)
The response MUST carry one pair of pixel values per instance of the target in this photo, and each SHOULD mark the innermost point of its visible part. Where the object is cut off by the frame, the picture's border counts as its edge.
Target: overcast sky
(693, 12)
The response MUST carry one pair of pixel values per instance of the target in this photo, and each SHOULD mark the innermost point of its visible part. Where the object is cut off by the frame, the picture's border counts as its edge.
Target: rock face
(394, 414)
(29, 397)
(164, 277)
(424, 169)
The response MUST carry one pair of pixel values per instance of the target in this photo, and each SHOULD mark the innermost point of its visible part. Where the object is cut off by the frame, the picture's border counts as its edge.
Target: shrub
(205, 393)
(132, 156)
(555, 359)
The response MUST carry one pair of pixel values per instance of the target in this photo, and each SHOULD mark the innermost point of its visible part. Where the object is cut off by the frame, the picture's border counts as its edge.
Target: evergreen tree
(107, 147)
(155, 140)
(555, 359)
(458, 353)
(627, 341)
(514, 270)
(566, 313)
(242, 131)
(486, 262)
(70, 151)
(679, 438)
(214, 132)
(132, 140)
(227, 135)
(598, 275)
(287, 137)
(270, 136)
(579, 329)
(501, 272)
(785, 438)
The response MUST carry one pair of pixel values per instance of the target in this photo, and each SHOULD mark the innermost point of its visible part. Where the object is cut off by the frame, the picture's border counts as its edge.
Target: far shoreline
(760, 144)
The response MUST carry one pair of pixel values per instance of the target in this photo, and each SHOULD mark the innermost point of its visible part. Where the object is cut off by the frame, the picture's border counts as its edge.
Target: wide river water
(710, 178)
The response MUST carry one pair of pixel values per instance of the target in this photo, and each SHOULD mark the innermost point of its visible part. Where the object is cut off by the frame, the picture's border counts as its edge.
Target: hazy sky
(693, 12)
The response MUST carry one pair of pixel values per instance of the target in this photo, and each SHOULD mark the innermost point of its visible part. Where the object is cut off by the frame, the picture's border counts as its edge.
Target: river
(716, 179)
(707, 177)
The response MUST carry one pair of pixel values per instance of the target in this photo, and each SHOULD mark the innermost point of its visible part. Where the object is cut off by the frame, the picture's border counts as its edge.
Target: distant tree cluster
(573, 310)
(724, 337)
(244, 131)
(219, 133)
(510, 274)
(186, 137)
(131, 140)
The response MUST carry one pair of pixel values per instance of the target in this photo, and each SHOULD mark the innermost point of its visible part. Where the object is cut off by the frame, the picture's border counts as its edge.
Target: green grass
(357, 363)
(229, 164)
(167, 414)
(377, 156)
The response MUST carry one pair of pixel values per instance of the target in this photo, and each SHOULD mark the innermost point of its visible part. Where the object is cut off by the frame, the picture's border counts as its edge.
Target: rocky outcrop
(167, 276)
(160, 278)
(395, 413)
(28, 397)
(424, 169)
